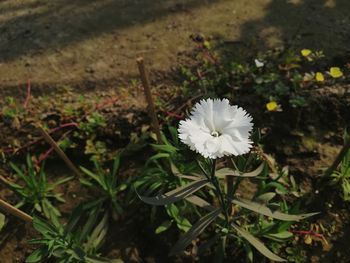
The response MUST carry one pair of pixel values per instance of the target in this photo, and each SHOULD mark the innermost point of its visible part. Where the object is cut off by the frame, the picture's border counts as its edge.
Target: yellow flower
(272, 106)
(319, 77)
(308, 240)
(335, 72)
(206, 44)
(305, 52)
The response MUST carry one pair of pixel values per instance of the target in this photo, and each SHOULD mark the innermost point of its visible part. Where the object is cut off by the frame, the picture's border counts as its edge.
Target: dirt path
(65, 41)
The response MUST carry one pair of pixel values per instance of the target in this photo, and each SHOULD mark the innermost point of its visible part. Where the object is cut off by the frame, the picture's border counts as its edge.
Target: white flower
(258, 64)
(215, 129)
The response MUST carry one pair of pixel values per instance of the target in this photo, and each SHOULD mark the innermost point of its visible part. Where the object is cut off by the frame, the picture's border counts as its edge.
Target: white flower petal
(232, 147)
(258, 63)
(212, 145)
(215, 129)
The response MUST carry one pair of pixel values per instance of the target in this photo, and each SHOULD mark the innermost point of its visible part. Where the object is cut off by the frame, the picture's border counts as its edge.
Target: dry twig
(149, 99)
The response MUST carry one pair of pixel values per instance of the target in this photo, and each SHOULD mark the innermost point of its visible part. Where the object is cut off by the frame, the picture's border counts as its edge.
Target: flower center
(215, 134)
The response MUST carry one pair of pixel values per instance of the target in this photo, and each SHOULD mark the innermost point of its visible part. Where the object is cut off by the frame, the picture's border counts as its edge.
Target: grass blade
(257, 244)
(195, 231)
(94, 176)
(264, 210)
(175, 195)
(222, 173)
(196, 200)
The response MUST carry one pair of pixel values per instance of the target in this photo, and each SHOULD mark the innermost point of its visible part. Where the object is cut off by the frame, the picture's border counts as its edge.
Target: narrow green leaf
(181, 222)
(257, 244)
(264, 210)
(94, 176)
(37, 255)
(346, 189)
(49, 210)
(98, 234)
(196, 200)
(73, 219)
(281, 235)
(43, 226)
(19, 173)
(116, 165)
(277, 186)
(42, 178)
(177, 173)
(195, 231)
(95, 259)
(156, 157)
(61, 181)
(174, 169)
(175, 195)
(122, 187)
(59, 197)
(222, 173)
(189, 177)
(266, 197)
(117, 207)
(38, 207)
(86, 182)
(163, 227)
(174, 135)
(164, 148)
(31, 173)
(92, 218)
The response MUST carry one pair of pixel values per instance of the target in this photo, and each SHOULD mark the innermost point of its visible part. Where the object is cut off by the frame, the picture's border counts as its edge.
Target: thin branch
(10, 150)
(149, 99)
(45, 155)
(59, 151)
(4, 181)
(15, 211)
(26, 102)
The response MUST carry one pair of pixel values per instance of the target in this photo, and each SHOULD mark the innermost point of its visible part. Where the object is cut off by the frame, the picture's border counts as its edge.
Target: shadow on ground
(316, 24)
(57, 24)
(55, 42)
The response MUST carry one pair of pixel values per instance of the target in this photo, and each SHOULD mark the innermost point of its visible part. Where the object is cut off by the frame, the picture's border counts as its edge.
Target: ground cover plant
(36, 192)
(215, 188)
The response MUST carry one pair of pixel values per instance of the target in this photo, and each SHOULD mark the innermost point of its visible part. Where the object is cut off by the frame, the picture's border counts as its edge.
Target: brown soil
(306, 143)
(65, 42)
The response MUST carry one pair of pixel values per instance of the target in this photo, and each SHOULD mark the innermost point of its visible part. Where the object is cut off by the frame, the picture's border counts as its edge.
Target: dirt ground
(60, 42)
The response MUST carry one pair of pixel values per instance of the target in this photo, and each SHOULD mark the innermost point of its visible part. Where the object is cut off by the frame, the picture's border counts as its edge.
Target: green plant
(96, 149)
(279, 74)
(217, 129)
(234, 220)
(93, 121)
(158, 176)
(107, 184)
(177, 214)
(296, 254)
(11, 112)
(11, 109)
(35, 191)
(77, 241)
(342, 175)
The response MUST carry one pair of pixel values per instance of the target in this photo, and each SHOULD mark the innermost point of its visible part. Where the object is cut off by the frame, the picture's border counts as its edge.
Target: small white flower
(258, 64)
(215, 129)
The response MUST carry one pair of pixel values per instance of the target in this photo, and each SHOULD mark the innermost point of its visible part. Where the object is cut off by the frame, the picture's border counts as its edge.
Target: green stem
(219, 193)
